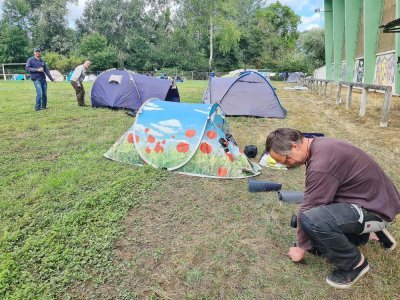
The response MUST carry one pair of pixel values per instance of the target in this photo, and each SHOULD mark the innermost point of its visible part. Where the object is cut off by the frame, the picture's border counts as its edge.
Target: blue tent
(125, 89)
(295, 77)
(18, 77)
(249, 94)
(70, 75)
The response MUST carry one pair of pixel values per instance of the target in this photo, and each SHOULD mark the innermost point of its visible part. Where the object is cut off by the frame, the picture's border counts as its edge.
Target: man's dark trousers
(80, 93)
(335, 232)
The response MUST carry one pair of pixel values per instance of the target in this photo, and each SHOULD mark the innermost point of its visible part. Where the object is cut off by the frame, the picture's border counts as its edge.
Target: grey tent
(295, 77)
(250, 94)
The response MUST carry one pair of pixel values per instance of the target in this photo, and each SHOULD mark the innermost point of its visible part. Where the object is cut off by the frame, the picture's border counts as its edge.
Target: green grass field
(74, 225)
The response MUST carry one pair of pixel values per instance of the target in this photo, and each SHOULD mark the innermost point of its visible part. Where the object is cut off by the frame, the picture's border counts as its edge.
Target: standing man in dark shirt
(38, 68)
(348, 199)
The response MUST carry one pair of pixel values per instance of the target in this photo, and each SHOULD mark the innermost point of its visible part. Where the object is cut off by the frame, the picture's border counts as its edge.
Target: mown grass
(61, 200)
(75, 225)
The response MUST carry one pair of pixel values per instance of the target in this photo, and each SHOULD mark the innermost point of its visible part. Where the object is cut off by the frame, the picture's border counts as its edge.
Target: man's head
(286, 146)
(87, 64)
(37, 52)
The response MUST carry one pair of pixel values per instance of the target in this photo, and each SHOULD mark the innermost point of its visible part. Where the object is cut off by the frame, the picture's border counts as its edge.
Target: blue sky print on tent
(177, 135)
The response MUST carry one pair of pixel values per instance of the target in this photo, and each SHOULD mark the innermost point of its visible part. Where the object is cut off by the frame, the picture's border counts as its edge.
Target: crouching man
(348, 199)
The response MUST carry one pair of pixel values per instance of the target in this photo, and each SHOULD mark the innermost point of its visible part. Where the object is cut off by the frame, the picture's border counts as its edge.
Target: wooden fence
(365, 89)
(316, 85)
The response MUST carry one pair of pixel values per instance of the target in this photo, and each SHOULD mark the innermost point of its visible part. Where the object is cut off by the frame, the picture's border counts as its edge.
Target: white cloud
(164, 129)
(146, 107)
(202, 111)
(309, 27)
(297, 5)
(155, 133)
(313, 21)
(171, 123)
(306, 10)
(139, 127)
(315, 18)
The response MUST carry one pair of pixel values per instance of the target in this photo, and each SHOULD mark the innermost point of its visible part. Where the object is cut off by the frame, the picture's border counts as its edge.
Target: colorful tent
(249, 94)
(187, 138)
(125, 89)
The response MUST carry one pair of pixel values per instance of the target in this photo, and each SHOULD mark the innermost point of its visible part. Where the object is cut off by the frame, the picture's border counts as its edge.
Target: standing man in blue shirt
(38, 68)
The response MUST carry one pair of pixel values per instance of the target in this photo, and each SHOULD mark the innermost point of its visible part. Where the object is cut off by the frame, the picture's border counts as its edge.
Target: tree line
(150, 35)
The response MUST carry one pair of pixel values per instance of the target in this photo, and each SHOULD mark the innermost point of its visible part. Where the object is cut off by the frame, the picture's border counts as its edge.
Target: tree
(13, 44)
(312, 44)
(214, 19)
(17, 13)
(94, 47)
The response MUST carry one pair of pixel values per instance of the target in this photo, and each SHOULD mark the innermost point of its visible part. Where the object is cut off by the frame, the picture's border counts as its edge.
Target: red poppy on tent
(190, 133)
(151, 139)
(147, 130)
(182, 147)
(205, 148)
(211, 134)
(163, 141)
(137, 138)
(158, 148)
(130, 138)
(148, 150)
(230, 155)
(222, 172)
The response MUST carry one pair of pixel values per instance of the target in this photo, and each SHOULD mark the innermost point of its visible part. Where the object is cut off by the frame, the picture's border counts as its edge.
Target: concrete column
(352, 24)
(372, 19)
(328, 15)
(338, 36)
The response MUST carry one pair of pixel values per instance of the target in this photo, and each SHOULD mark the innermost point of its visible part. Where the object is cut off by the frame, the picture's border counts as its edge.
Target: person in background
(348, 200)
(76, 81)
(38, 69)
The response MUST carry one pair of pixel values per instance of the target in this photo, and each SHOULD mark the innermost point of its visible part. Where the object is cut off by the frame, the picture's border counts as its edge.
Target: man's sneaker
(386, 239)
(344, 279)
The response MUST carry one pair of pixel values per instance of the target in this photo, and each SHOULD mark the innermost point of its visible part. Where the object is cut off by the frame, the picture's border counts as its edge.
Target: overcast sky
(304, 8)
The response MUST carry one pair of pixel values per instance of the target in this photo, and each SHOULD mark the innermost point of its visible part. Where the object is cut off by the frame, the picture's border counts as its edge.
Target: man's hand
(40, 69)
(296, 254)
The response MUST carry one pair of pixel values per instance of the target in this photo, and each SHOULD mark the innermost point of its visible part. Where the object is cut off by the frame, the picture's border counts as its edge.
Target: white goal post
(10, 64)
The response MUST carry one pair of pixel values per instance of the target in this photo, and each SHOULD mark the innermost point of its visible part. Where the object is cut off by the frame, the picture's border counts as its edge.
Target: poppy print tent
(187, 138)
(125, 89)
(249, 94)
